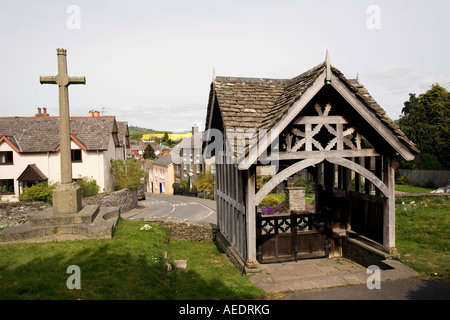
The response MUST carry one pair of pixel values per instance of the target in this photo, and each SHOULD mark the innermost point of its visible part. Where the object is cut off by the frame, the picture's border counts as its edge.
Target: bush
(184, 186)
(270, 201)
(403, 180)
(176, 188)
(88, 186)
(303, 183)
(39, 192)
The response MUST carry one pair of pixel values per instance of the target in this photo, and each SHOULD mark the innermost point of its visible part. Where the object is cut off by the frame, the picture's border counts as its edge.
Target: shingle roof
(165, 160)
(41, 134)
(32, 173)
(253, 103)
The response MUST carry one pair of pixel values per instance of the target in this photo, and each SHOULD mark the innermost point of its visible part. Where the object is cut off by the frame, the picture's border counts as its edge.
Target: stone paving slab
(322, 273)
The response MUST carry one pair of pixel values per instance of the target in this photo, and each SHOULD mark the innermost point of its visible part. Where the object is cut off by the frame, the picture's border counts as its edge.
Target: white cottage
(29, 150)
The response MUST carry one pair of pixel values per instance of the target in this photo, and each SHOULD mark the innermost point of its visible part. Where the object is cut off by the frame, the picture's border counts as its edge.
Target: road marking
(210, 213)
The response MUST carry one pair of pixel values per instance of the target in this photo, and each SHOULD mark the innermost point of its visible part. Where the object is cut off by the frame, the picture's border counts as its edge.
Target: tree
(126, 174)
(149, 152)
(426, 121)
(166, 137)
(205, 181)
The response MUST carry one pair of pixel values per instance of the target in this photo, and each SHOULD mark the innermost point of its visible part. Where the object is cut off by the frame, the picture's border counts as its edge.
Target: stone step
(98, 222)
(47, 218)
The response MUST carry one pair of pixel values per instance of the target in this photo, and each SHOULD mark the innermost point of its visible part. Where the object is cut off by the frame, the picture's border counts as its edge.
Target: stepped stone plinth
(90, 222)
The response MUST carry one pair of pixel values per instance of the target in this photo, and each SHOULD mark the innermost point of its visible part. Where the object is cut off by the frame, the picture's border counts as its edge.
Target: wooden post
(389, 205)
(250, 215)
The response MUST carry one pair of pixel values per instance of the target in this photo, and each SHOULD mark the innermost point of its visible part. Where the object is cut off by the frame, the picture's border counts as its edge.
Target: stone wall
(184, 229)
(14, 213)
(126, 199)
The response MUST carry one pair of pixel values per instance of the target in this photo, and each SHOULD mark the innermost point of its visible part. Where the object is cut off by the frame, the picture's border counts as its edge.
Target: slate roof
(41, 134)
(165, 160)
(123, 132)
(258, 103)
(32, 173)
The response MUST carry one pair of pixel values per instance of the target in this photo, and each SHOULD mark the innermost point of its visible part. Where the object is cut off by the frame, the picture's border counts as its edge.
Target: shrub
(88, 186)
(39, 192)
(270, 201)
(303, 183)
(403, 180)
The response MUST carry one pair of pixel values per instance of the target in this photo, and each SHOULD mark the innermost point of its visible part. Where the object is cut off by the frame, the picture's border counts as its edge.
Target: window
(6, 157)
(76, 155)
(7, 186)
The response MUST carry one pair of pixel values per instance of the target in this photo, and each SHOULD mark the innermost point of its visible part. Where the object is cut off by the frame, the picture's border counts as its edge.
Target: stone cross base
(296, 198)
(67, 199)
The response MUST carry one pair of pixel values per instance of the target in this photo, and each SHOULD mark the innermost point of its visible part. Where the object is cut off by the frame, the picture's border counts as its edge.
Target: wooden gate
(299, 235)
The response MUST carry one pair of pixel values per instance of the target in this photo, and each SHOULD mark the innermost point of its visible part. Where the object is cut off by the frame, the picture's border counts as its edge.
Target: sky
(151, 62)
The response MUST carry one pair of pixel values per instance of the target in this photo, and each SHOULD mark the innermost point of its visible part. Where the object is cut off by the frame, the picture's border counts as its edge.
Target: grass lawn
(412, 189)
(423, 234)
(129, 266)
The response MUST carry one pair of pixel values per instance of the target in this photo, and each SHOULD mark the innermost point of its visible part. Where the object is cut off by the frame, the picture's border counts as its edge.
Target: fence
(429, 178)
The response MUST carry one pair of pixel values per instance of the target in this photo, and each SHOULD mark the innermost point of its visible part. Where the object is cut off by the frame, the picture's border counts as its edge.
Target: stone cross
(63, 81)
(68, 199)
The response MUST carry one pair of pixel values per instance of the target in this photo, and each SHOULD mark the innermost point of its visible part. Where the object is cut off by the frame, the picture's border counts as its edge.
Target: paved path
(403, 289)
(162, 205)
(342, 279)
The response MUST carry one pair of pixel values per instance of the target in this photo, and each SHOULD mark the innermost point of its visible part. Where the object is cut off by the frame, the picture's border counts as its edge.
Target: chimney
(96, 113)
(39, 113)
(91, 113)
(45, 114)
(194, 130)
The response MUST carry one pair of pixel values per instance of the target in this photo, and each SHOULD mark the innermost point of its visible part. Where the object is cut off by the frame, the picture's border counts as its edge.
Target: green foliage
(205, 181)
(303, 183)
(270, 201)
(426, 121)
(89, 187)
(184, 186)
(149, 152)
(403, 180)
(126, 174)
(39, 192)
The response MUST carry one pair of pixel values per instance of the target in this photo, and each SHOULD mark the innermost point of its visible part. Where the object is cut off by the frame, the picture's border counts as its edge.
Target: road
(162, 205)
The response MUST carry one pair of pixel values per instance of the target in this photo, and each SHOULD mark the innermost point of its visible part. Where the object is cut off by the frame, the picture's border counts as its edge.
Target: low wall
(14, 213)
(126, 199)
(184, 229)
(364, 254)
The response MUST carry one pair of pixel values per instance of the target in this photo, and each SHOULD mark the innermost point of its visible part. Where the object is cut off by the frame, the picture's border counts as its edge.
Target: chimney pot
(39, 110)
(91, 113)
(96, 114)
